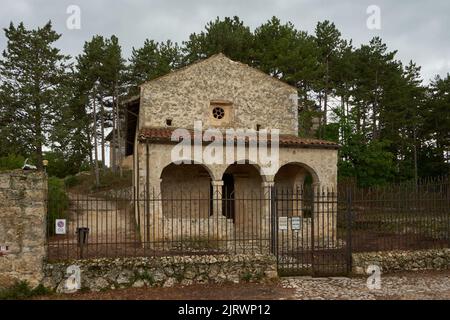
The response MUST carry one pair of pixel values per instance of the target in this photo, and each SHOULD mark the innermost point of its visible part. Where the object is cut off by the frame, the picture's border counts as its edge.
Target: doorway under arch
(242, 192)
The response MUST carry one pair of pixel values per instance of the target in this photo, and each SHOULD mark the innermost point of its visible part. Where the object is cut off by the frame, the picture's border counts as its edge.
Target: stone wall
(394, 261)
(22, 226)
(187, 95)
(102, 274)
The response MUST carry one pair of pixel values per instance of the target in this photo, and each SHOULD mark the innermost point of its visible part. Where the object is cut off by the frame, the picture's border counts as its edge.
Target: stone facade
(249, 99)
(22, 226)
(189, 94)
(102, 274)
(396, 261)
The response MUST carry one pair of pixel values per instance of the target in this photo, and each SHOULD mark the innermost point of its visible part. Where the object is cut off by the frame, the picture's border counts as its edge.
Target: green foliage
(145, 276)
(71, 181)
(58, 202)
(11, 162)
(154, 59)
(59, 165)
(33, 74)
(228, 36)
(22, 290)
(109, 180)
(369, 162)
(390, 125)
(248, 276)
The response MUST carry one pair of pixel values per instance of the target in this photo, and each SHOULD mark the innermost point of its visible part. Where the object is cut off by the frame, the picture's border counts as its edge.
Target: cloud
(417, 29)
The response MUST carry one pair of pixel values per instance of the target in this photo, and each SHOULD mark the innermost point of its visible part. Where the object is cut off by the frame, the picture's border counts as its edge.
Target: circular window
(218, 113)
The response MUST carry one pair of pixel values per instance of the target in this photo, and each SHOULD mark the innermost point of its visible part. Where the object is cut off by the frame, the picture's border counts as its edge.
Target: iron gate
(311, 232)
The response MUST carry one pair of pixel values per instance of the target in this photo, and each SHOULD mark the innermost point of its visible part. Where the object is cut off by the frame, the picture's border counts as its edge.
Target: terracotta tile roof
(163, 135)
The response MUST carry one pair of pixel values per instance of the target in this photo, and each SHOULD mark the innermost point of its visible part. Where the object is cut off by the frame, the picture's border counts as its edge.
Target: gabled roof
(163, 136)
(218, 56)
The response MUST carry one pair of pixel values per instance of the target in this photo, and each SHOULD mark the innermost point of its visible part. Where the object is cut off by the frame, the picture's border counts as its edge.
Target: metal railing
(404, 216)
(297, 225)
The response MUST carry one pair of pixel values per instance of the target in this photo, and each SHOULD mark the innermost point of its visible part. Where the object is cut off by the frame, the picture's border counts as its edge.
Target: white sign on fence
(296, 223)
(283, 223)
(60, 226)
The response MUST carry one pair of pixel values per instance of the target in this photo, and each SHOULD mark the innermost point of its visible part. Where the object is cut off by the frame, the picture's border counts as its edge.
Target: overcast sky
(418, 29)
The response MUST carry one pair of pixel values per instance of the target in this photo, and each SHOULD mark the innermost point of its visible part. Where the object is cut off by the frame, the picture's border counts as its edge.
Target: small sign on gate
(296, 223)
(282, 223)
(60, 226)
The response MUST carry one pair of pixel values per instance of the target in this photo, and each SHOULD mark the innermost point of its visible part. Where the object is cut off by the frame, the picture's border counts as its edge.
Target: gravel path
(420, 286)
(397, 287)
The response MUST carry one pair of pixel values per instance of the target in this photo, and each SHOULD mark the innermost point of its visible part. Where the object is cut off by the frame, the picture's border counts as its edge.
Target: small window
(258, 127)
(218, 113)
(169, 122)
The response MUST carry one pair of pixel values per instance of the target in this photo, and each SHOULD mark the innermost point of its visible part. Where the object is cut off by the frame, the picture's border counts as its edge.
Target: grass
(248, 276)
(145, 276)
(84, 183)
(21, 290)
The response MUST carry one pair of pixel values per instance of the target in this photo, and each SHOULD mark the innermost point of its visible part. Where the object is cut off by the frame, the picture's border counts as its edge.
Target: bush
(11, 162)
(58, 202)
(71, 181)
(22, 290)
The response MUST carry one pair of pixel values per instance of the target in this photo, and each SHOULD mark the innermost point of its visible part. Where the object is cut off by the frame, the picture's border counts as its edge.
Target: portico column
(217, 197)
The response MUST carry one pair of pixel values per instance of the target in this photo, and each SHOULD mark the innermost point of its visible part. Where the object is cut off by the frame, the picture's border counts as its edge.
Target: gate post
(349, 230)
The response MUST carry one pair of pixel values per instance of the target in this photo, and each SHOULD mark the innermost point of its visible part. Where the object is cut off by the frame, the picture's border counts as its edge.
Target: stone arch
(191, 162)
(294, 184)
(298, 169)
(223, 169)
(186, 191)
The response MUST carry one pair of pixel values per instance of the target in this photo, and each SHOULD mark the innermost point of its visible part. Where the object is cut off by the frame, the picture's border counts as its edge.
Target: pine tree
(328, 39)
(154, 59)
(229, 36)
(33, 75)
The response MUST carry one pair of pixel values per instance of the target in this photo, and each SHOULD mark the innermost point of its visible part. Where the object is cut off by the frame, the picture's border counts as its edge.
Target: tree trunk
(113, 143)
(375, 109)
(102, 133)
(416, 175)
(325, 99)
(119, 133)
(38, 138)
(97, 176)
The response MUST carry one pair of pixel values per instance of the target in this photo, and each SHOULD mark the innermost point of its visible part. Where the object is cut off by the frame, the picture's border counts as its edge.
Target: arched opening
(186, 191)
(294, 188)
(242, 193)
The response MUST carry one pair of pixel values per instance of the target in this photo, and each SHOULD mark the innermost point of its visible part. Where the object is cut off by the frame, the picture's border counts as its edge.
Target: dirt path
(112, 230)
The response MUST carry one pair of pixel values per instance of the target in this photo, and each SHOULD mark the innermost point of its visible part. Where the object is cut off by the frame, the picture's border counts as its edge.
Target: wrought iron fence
(305, 228)
(404, 216)
(119, 224)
